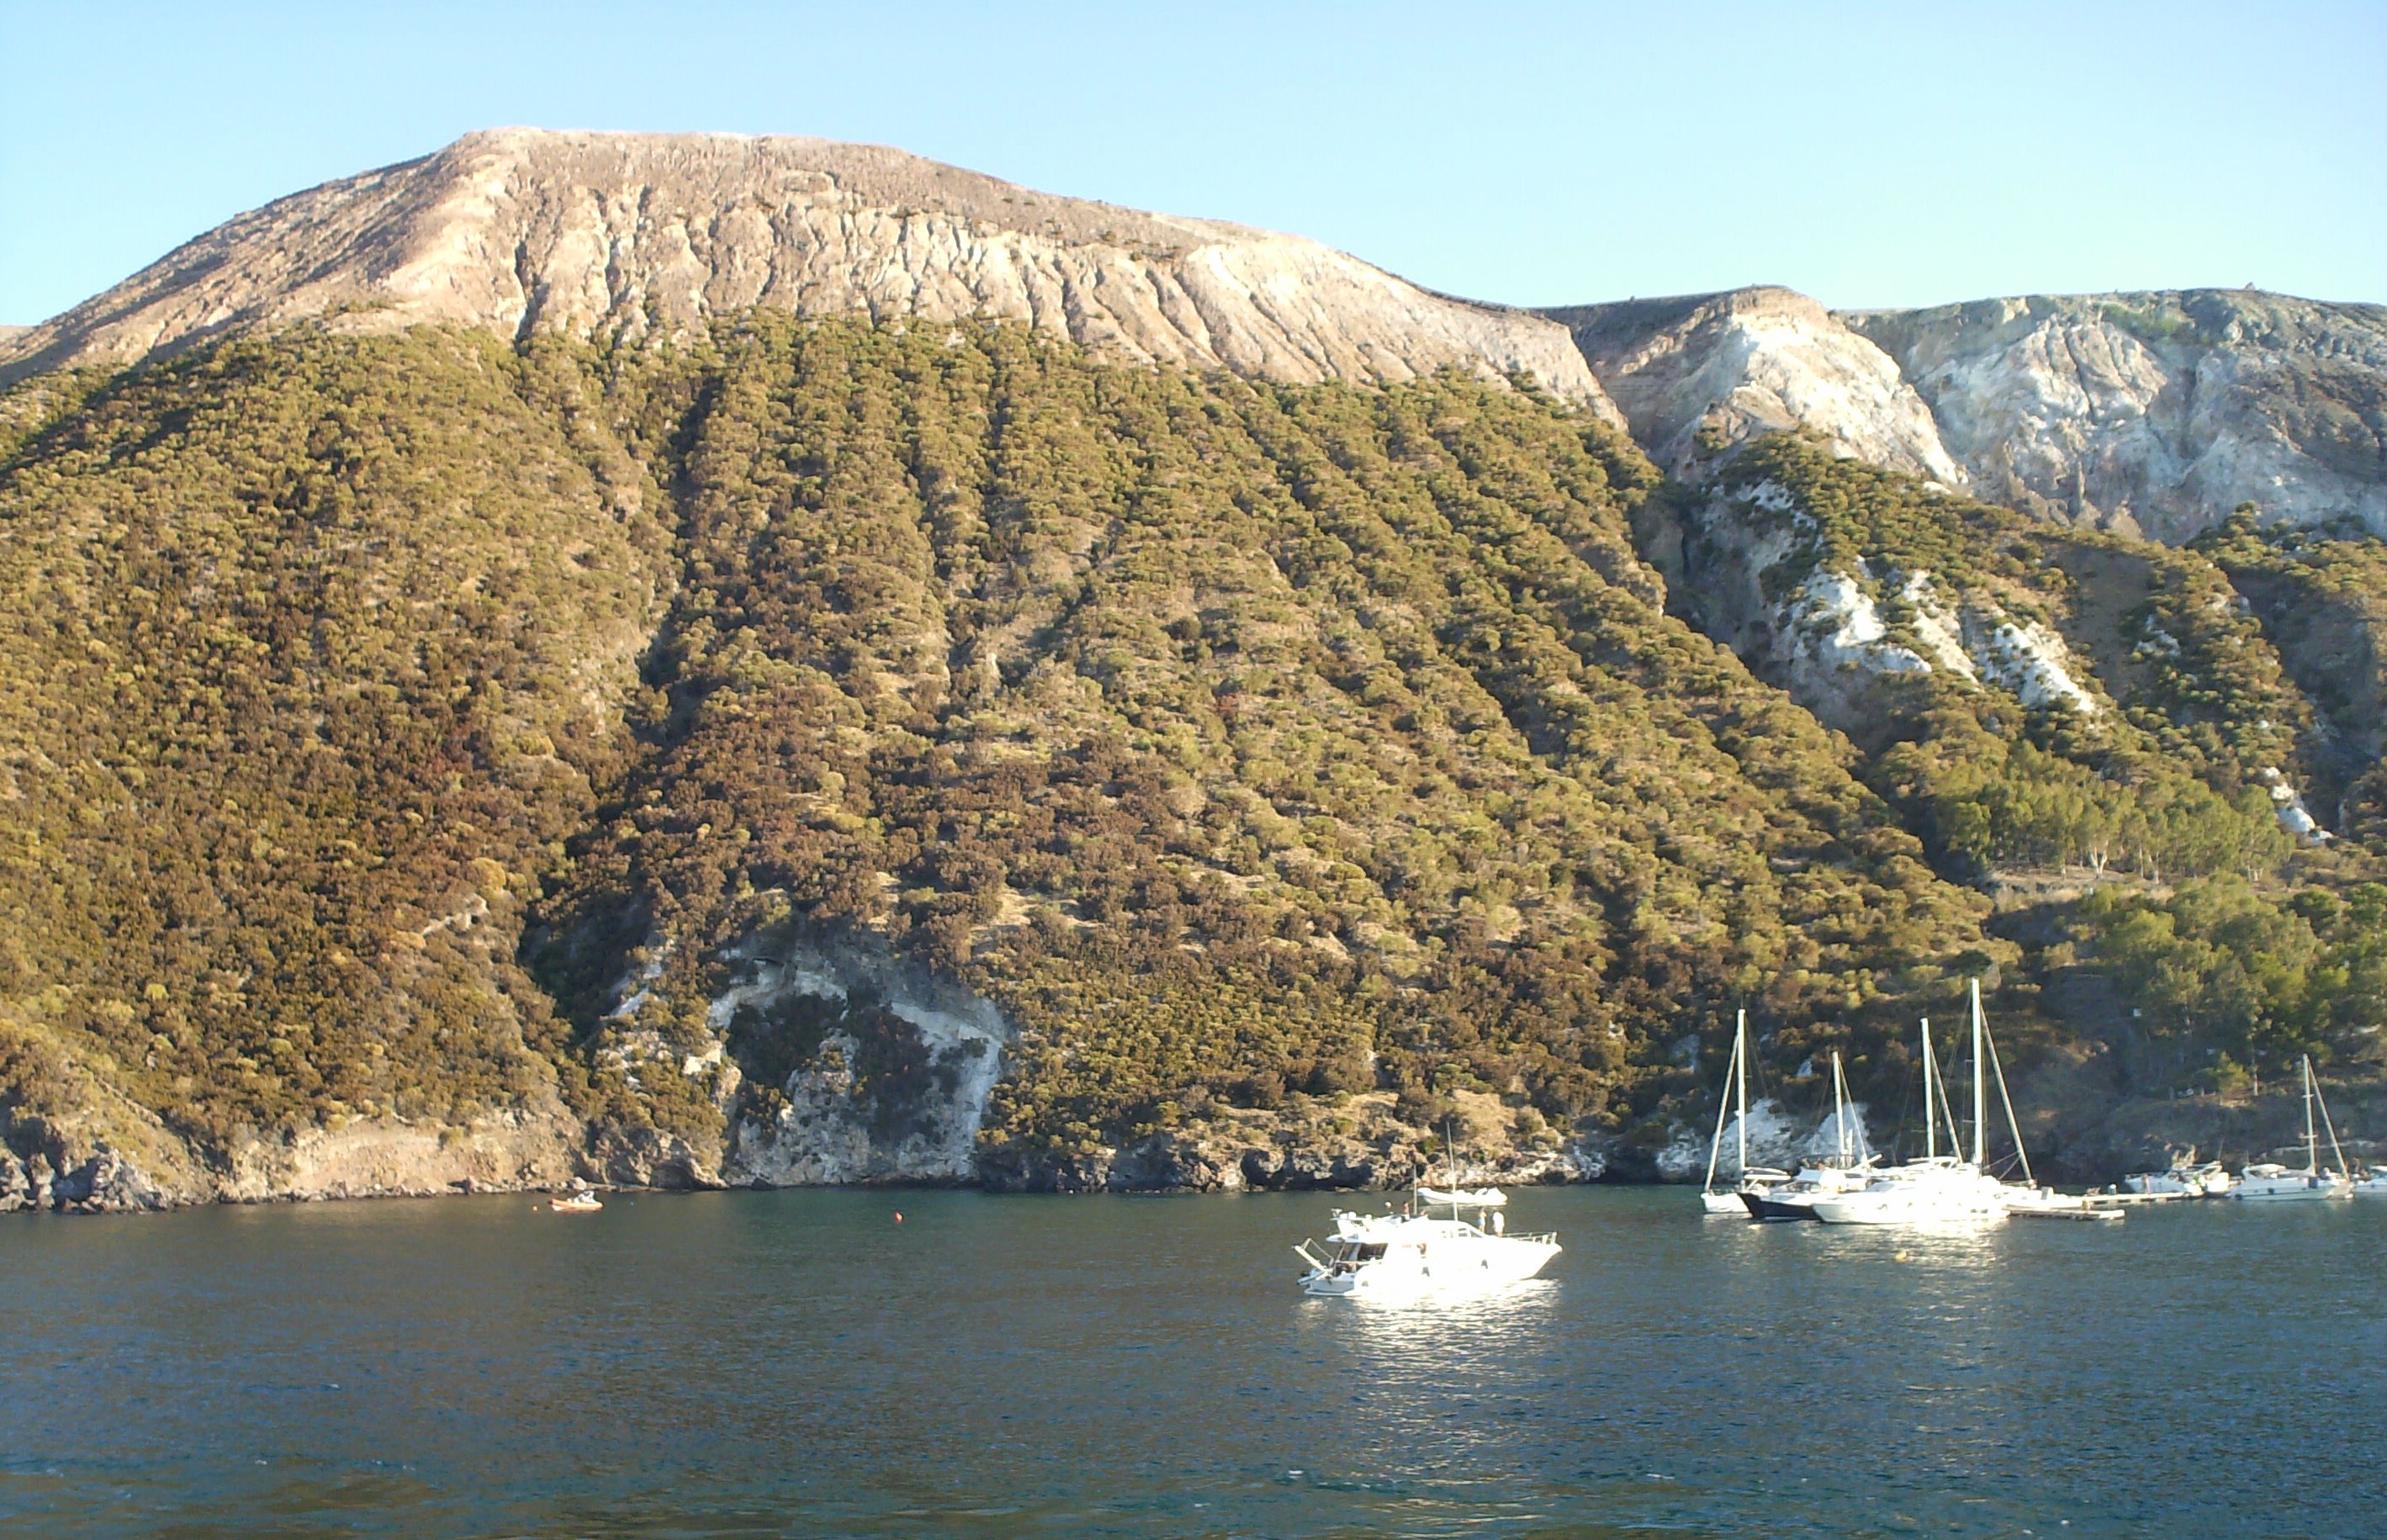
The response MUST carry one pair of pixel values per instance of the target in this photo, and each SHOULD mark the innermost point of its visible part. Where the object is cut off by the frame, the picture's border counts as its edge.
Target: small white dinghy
(581, 1202)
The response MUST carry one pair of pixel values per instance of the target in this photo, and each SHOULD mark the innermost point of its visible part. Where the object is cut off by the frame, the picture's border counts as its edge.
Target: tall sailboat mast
(1715, 1145)
(2312, 1145)
(1840, 1109)
(1740, 1082)
(1930, 1107)
(1980, 1104)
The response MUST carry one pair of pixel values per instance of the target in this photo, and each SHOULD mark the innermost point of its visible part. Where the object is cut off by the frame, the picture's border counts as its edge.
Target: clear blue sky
(1870, 155)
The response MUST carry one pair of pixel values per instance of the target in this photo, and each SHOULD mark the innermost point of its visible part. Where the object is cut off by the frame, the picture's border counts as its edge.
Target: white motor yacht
(1940, 1190)
(2268, 1181)
(2186, 1179)
(1419, 1257)
(2271, 1182)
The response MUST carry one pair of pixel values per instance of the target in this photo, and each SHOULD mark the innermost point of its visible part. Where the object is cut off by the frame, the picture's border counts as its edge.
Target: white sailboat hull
(1943, 1194)
(1901, 1208)
(2294, 1189)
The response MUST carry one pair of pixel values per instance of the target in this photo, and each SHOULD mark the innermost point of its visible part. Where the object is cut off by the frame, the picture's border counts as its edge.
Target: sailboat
(1847, 1169)
(2271, 1182)
(1940, 1190)
(1752, 1180)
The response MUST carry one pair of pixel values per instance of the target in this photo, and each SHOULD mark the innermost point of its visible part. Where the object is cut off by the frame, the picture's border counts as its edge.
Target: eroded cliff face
(1697, 374)
(2157, 413)
(519, 230)
(1843, 639)
(868, 1070)
(2152, 413)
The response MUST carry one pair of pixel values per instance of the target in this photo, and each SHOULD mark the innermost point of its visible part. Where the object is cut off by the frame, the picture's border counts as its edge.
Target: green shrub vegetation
(1224, 734)
(402, 726)
(2242, 980)
(2169, 783)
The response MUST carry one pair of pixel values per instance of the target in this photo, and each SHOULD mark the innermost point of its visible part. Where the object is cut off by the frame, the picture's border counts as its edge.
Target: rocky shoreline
(1352, 1142)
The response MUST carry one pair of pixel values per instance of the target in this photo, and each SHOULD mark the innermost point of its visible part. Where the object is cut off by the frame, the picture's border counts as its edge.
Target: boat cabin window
(1362, 1251)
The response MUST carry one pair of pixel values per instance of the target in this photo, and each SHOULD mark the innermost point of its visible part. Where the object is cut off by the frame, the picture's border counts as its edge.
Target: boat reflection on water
(1427, 1333)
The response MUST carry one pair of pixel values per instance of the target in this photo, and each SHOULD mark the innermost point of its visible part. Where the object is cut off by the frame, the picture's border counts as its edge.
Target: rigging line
(1931, 1111)
(1723, 1102)
(1955, 1131)
(2012, 1124)
(1898, 1129)
(2327, 1122)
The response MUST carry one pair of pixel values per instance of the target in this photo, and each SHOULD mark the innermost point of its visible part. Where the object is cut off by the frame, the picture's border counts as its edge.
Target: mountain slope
(691, 660)
(522, 230)
(776, 760)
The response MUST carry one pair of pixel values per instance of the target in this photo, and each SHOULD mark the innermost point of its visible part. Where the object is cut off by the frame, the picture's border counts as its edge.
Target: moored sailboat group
(1849, 1187)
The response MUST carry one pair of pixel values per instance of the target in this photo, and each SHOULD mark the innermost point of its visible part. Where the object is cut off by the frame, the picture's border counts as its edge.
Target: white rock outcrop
(1702, 373)
(517, 231)
(2155, 413)
(836, 1127)
(1777, 1140)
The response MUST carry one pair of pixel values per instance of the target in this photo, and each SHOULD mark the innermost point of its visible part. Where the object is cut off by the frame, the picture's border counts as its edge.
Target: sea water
(801, 1363)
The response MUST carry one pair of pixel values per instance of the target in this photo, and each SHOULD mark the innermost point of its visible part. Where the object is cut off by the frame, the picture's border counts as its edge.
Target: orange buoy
(899, 1216)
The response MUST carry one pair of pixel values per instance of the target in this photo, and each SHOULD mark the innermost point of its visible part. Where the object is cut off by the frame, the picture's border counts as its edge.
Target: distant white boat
(1463, 1197)
(576, 1203)
(1753, 1180)
(1418, 1256)
(2271, 1182)
(1414, 1257)
(2185, 1178)
(2373, 1186)
(1848, 1169)
(1940, 1190)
